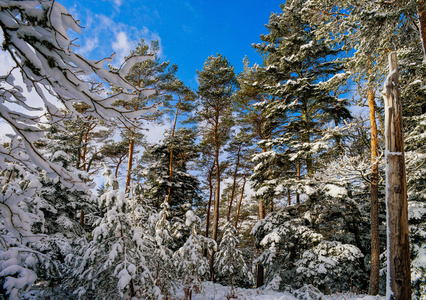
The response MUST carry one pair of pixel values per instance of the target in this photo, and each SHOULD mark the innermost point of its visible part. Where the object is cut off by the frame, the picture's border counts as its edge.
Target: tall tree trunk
(241, 199)
(398, 261)
(169, 192)
(216, 196)
(307, 139)
(298, 178)
(209, 205)
(374, 192)
(130, 162)
(234, 184)
(422, 20)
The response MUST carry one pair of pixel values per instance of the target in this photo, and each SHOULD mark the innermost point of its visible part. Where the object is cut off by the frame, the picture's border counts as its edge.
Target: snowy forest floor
(215, 291)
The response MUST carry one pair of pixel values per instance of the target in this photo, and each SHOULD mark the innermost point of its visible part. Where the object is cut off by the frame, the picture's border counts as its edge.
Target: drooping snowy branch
(35, 36)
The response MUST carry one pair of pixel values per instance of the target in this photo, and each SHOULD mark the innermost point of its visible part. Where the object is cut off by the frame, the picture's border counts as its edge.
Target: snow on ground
(215, 291)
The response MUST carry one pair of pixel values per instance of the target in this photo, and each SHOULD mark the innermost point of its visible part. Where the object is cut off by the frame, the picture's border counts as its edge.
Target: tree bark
(399, 275)
(298, 178)
(82, 218)
(422, 20)
(374, 192)
(130, 162)
(216, 195)
(234, 184)
(209, 205)
(241, 199)
(169, 192)
(260, 276)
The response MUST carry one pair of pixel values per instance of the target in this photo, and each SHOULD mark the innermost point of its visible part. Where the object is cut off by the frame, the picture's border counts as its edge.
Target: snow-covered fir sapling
(189, 260)
(113, 262)
(160, 256)
(229, 260)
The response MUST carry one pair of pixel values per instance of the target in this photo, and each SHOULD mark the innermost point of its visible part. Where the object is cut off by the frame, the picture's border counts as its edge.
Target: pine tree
(18, 262)
(114, 262)
(154, 173)
(148, 76)
(217, 82)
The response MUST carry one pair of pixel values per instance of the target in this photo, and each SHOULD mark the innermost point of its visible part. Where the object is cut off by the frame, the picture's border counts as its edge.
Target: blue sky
(189, 31)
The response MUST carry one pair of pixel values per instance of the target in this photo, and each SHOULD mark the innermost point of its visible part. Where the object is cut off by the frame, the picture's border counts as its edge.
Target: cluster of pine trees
(271, 177)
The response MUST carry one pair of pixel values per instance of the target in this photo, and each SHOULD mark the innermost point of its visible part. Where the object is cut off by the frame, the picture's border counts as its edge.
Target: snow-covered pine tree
(114, 262)
(217, 83)
(65, 214)
(307, 79)
(149, 75)
(154, 173)
(19, 263)
(413, 93)
(189, 260)
(230, 262)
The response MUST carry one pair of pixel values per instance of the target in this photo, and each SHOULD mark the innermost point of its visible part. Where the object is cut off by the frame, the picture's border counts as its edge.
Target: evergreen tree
(307, 77)
(189, 259)
(18, 262)
(155, 176)
(114, 262)
(217, 83)
(229, 260)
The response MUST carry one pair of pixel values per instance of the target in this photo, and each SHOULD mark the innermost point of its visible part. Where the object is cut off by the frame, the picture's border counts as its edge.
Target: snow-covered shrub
(308, 292)
(327, 261)
(313, 242)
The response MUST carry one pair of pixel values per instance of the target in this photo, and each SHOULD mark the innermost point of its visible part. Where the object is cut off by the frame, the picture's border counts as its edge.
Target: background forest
(272, 178)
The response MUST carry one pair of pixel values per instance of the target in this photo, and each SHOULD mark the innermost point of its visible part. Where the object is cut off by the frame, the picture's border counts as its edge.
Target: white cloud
(122, 45)
(102, 36)
(118, 2)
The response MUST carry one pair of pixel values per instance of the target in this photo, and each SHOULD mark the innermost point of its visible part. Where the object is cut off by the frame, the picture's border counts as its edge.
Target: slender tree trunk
(79, 143)
(130, 162)
(399, 273)
(209, 205)
(307, 140)
(234, 184)
(288, 197)
(120, 160)
(169, 192)
(260, 275)
(298, 178)
(83, 155)
(374, 192)
(82, 218)
(216, 195)
(241, 199)
(260, 269)
(422, 20)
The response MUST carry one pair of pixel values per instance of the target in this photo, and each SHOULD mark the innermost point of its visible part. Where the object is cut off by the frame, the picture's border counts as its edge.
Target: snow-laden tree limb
(35, 36)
